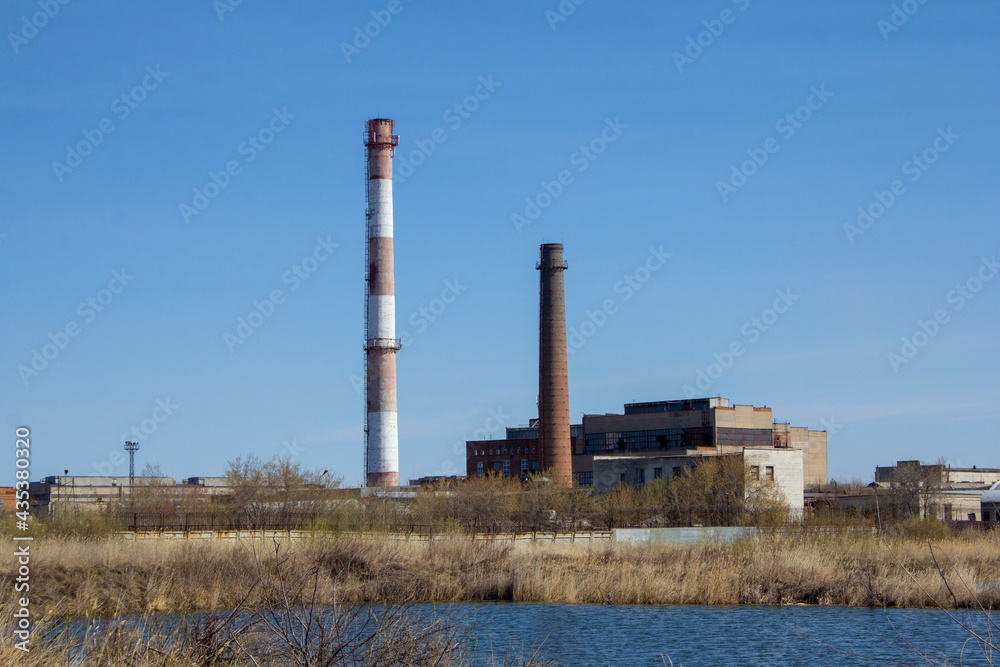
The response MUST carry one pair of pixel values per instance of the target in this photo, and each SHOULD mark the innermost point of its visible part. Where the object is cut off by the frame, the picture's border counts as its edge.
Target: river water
(690, 636)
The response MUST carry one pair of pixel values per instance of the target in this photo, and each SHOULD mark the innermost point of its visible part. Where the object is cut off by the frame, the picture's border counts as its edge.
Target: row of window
(768, 473)
(623, 440)
(501, 451)
(744, 437)
(503, 467)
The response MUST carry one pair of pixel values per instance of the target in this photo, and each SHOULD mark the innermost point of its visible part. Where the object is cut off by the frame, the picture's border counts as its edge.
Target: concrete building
(695, 427)
(84, 492)
(990, 504)
(931, 491)
(782, 467)
(937, 473)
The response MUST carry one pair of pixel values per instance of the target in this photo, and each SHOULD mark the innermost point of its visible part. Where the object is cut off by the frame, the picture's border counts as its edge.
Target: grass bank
(80, 577)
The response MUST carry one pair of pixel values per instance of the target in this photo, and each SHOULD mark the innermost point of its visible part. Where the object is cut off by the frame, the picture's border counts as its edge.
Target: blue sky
(739, 137)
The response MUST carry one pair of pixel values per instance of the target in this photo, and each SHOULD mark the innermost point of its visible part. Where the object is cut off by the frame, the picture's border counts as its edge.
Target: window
(755, 472)
(640, 476)
(635, 440)
(524, 467)
(678, 471)
(534, 464)
(769, 473)
(506, 468)
(657, 473)
(623, 478)
(972, 516)
(585, 478)
(479, 469)
(947, 512)
(496, 466)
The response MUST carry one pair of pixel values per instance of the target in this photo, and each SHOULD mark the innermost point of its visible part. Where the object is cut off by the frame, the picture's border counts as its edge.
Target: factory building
(780, 468)
(85, 492)
(679, 428)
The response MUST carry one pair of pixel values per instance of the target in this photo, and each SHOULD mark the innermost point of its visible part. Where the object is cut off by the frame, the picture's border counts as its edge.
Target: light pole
(131, 448)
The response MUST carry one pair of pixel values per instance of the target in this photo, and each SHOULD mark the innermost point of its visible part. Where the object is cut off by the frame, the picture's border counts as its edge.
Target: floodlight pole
(131, 448)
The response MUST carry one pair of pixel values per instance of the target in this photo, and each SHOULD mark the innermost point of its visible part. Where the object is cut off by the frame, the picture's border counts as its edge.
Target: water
(690, 636)
(694, 636)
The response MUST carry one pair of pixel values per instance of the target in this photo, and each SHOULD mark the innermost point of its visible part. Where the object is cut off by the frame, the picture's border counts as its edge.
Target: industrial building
(58, 492)
(778, 468)
(930, 491)
(678, 430)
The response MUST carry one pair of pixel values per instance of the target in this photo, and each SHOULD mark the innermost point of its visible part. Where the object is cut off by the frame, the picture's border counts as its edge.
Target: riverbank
(74, 577)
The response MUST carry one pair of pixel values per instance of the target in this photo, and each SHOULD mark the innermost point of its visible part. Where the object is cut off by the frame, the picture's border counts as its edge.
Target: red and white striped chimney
(381, 344)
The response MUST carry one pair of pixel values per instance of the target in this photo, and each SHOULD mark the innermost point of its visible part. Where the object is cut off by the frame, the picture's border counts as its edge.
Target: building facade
(781, 468)
(695, 427)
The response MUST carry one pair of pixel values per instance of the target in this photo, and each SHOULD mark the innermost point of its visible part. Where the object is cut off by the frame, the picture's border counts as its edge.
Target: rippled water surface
(689, 636)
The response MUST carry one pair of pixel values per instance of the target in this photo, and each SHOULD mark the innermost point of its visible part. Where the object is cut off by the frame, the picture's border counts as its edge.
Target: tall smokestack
(553, 378)
(381, 344)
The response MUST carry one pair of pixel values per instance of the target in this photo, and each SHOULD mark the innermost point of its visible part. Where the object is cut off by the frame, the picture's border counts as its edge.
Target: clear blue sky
(199, 82)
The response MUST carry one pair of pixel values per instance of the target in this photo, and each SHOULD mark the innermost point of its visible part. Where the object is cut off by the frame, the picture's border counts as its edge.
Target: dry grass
(72, 577)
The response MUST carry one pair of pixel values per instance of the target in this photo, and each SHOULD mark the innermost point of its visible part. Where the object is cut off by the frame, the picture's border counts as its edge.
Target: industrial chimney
(381, 344)
(553, 379)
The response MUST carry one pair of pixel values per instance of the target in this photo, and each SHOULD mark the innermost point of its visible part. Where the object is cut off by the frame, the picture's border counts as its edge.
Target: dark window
(479, 469)
(585, 479)
(635, 440)
(769, 473)
(640, 476)
(657, 473)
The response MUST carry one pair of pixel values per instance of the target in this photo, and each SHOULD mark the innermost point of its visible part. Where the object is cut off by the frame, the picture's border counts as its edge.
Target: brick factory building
(695, 427)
